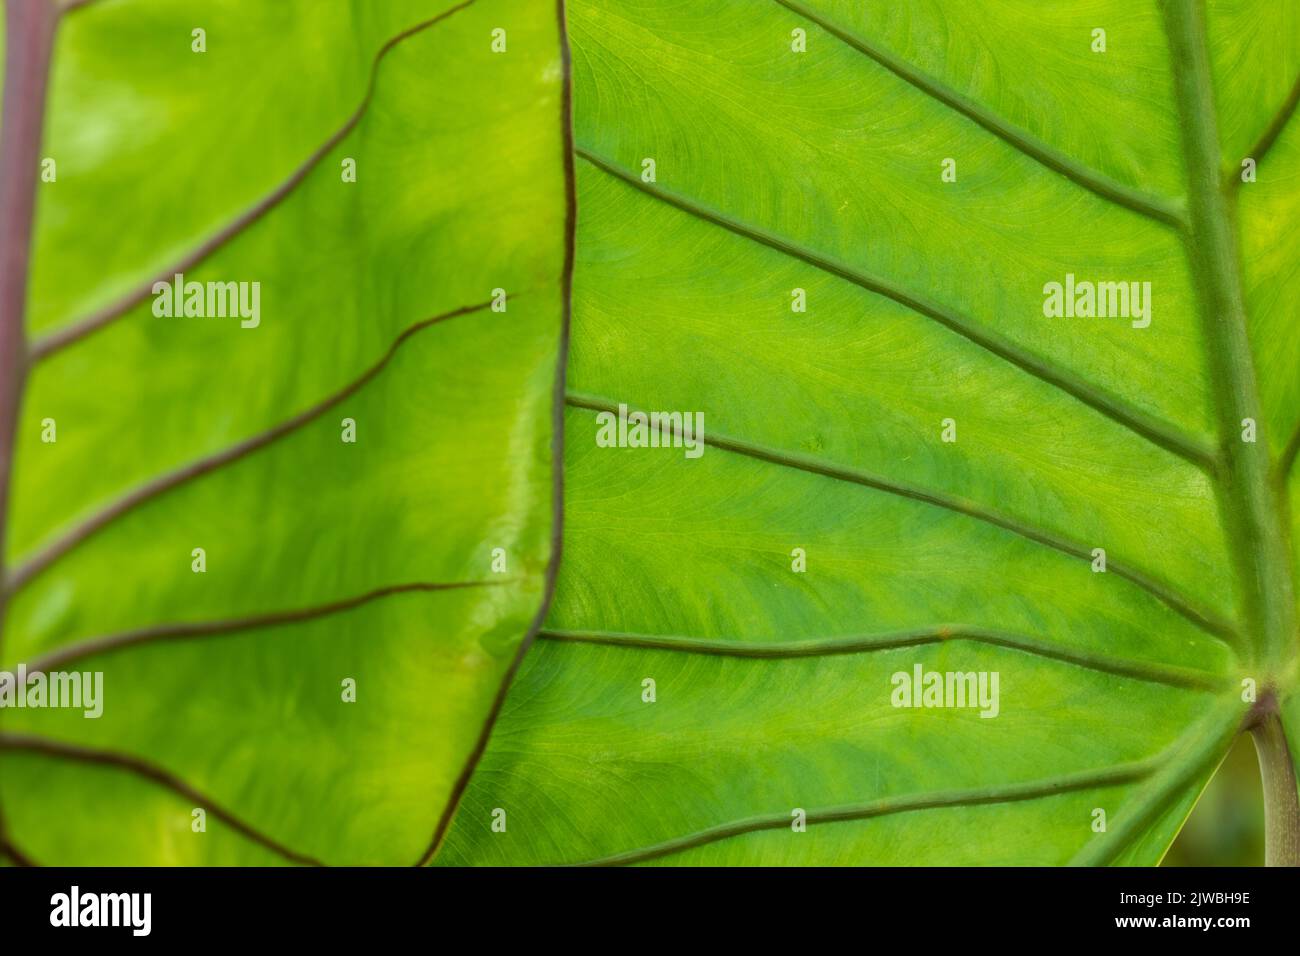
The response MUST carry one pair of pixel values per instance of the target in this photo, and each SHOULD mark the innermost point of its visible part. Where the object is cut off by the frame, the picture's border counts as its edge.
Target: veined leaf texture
(753, 432)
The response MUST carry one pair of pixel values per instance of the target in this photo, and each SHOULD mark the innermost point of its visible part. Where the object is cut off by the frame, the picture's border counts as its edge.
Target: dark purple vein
(28, 743)
(196, 629)
(1190, 447)
(10, 849)
(1201, 617)
(30, 29)
(557, 448)
(78, 534)
(1116, 775)
(54, 341)
(865, 643)
(29, 42)
(19, 858)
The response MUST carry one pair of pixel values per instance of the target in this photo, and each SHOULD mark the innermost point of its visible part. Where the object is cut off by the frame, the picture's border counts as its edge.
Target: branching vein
(982, 796)
(1187, 446)
(858, 644)
(73, 653)
(51, 343)
(1166, 211)
(44, 746)
(162, 484)
(1203, 618)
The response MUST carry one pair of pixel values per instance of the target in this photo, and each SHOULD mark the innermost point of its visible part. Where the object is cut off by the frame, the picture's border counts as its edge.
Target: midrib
(1248, 500)
(30, 30)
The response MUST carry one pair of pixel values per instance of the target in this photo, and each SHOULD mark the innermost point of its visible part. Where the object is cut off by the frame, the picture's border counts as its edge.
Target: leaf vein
(1205, 619)
(1166, 211)
(57, 749)
(1204, 743)
(83, 531)
(856, 644)
(1038, 789)
(193, 629)
(49, 344)
(1270, 135)
(1159, 432)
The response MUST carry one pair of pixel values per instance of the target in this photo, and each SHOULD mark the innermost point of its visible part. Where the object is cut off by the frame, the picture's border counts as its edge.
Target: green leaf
(374, 561)
(777, 170)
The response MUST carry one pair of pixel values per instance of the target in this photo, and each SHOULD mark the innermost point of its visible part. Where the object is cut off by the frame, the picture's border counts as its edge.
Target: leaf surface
(777, 170)
(374, 561)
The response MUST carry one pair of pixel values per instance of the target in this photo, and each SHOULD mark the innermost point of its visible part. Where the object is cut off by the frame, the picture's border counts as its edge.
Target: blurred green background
(1227, 826)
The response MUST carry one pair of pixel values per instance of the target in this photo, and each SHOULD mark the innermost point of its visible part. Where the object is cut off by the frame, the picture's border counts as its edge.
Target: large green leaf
(326, 560)
(777, 170)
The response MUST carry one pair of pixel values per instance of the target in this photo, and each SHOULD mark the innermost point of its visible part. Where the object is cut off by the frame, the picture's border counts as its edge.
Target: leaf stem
(1250, 502)
(30, 31)
(1281, 806)
(29, 44)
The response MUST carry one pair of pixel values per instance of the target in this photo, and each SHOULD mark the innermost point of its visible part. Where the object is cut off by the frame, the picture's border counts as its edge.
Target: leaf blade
(326, 560)
(827, 155)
